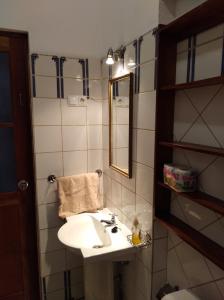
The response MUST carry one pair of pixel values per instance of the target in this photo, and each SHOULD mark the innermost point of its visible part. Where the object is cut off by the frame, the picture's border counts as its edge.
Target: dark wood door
(18, 246)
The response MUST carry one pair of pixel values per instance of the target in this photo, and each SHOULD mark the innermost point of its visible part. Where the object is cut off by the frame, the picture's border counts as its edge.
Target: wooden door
(18, 246)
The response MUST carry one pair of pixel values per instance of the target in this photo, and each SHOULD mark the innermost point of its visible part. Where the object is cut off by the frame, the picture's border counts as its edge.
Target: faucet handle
(113, 216)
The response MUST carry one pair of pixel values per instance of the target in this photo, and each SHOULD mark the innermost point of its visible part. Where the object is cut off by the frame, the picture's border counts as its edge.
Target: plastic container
(180, 178)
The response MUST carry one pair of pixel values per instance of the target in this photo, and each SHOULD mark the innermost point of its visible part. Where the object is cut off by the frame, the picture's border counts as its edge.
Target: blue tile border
(135, 44)
(82, 62)
(194, 40)
(62, 60)
(140, 40)
(87, 76)
(56, 60)
(34, 56)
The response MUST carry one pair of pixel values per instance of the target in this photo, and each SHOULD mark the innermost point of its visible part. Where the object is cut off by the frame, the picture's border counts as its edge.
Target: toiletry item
(136, 232)
(180, 178)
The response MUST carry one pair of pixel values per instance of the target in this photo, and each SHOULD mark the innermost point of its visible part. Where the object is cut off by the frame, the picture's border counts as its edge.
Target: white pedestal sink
(85, 233)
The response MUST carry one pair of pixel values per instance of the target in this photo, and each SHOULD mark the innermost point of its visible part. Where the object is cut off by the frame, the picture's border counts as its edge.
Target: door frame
(34, 291)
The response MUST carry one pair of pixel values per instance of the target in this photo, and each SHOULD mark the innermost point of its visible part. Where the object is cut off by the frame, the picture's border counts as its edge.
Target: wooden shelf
(203, 199)
(203, 17)
(194, 84)
(194, 147)
(198, 241)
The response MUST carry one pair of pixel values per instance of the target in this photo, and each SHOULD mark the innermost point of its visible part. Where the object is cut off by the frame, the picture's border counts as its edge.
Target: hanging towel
(78, 193)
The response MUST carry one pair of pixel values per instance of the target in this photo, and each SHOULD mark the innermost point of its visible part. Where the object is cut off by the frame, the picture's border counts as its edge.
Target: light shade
(131, 63)
(109, 60)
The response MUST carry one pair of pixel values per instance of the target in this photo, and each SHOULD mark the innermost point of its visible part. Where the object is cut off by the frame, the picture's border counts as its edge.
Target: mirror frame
(111, 165)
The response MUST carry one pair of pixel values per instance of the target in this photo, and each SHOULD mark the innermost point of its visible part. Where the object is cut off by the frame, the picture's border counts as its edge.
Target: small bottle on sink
(136, 232)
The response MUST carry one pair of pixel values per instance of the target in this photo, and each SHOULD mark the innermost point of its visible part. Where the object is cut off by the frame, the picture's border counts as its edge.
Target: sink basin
(85, 233)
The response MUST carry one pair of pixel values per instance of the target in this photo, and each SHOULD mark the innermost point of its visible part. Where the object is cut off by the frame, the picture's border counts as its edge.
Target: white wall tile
(48, 216)
(144, 182)
(72, 68)
(207, 292)
(95, 89)
(129, 55)
(47, 164)
(49, 240)
(158, 281)
(208, 60)
(94, 112)
(46, 87)
(42, 141)
(54, 282)
(147, 77)
(122, 115)
(56, 295)
(175, 271)
(116, 193)
(147, 48)
(145, 147)
(193, 264)
(128, 202)
(144, 110)
(144, 213)
(72, 115)
(160, 254)
(44, 65)
(46, 112)
(75, 162)
(46, 192)
(74, 138)
(95, 160)
(206, 36)
(95, 137)
(95, 71)
(52, 262)
(181, 67)
(73, 87)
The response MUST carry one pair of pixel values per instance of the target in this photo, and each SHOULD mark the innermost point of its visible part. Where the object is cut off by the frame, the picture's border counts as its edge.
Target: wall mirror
(120, 124)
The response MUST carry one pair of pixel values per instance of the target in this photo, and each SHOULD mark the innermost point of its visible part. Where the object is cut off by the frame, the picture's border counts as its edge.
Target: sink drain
(97, 246)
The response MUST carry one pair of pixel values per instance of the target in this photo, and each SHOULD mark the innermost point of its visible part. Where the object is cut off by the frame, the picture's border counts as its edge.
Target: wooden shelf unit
(204, 17)
(198, 197)
(198, 241)
(194, 147)
(194, 84)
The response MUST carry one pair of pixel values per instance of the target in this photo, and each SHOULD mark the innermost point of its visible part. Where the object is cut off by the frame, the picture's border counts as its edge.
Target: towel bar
(52, 178)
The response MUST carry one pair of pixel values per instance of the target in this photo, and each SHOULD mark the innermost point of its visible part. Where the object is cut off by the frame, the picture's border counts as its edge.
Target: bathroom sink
(84, 232)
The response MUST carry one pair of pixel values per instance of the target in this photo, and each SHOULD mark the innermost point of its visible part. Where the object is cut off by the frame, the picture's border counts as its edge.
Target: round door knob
(23, 185)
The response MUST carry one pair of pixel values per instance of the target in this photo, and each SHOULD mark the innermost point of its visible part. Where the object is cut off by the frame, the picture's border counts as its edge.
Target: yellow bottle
(136, 232)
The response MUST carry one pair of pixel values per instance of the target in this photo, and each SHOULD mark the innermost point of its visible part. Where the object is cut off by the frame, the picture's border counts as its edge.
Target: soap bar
(180, 178)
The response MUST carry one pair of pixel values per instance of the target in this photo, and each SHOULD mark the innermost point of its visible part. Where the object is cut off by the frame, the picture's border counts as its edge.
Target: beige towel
(78, 193)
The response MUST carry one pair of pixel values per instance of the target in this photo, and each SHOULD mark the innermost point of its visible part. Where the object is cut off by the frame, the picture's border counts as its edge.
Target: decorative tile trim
(193, 57)
(140, 40)
(62, 60)
(82, 62)
(34, 56)
(56, 60)
(189, 60)
(222, 67)
(135, 44)
(87, 76)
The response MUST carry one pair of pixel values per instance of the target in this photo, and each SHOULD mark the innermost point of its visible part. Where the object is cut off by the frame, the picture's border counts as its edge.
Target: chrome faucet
(111, 222)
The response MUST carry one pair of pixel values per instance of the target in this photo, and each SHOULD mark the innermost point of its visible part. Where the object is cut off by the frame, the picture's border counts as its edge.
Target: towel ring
(52, 178)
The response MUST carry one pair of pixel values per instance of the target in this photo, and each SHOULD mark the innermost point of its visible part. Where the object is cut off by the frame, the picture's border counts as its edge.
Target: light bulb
(109, 60)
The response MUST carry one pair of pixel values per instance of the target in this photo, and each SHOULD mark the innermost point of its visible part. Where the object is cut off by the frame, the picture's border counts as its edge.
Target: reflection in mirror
(121, 101)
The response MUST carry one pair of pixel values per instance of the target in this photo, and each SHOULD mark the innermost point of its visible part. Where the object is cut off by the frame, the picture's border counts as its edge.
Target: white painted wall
(81, 27)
